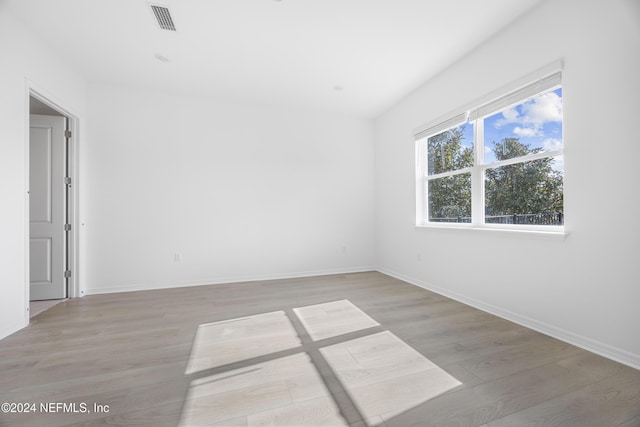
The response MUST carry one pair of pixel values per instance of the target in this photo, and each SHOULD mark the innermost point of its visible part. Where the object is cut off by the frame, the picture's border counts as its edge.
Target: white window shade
(517, 96)
(441, 126)
(539, 81)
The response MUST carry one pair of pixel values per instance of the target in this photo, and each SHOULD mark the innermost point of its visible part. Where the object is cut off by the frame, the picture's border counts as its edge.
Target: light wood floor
(37, 307)
(358, 349)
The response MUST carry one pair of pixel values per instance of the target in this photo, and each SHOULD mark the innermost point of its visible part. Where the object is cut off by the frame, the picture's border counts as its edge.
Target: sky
(537, 122)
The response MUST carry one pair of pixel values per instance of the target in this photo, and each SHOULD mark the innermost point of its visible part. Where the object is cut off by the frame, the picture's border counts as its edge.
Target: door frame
(72, 206)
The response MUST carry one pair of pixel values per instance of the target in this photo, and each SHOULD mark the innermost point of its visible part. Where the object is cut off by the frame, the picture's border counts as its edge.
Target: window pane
(531, 127)
(450, 150)
(450, 198)
(525, 193)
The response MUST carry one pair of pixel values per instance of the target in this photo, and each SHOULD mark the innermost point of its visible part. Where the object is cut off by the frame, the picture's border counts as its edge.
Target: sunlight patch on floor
(220, 343)
(332, 319)
(284, 391)
(384, 376)
(379, 373)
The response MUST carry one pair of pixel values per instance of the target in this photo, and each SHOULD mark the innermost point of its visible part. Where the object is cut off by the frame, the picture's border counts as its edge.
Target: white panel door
(46, 207)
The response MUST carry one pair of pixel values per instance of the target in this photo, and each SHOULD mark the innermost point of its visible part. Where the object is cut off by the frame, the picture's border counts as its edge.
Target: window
(499, 165)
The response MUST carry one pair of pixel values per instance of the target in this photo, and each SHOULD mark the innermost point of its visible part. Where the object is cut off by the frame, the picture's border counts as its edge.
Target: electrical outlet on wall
(177, 257)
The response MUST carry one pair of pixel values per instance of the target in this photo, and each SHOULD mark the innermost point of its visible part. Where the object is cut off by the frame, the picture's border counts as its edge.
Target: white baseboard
(12, 329)
(223, 280)
(608, 351)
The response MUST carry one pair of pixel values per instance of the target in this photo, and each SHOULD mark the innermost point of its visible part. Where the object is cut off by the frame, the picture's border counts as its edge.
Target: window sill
(495, 231)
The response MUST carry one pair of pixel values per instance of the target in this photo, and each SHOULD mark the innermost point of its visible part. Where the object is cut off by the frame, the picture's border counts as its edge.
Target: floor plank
(360, 349)
(606, 403)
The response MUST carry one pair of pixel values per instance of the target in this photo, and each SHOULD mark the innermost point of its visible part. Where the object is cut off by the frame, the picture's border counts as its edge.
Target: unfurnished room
(363, 213)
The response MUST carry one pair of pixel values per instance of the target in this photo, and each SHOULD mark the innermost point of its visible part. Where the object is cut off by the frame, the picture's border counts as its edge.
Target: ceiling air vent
(163, 17)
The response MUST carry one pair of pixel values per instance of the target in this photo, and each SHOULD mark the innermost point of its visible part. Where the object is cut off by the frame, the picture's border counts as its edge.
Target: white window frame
(546, 80)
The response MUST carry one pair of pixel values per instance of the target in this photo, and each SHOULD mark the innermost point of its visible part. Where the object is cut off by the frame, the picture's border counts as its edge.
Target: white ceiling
(286, 53)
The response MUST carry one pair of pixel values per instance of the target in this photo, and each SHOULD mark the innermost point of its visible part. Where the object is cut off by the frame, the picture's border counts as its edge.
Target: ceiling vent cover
(163, 17)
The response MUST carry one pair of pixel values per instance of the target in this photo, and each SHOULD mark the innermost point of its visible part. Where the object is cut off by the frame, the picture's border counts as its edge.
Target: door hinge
(67, 134)
(67, 227)
(67, 274)
(67, 180)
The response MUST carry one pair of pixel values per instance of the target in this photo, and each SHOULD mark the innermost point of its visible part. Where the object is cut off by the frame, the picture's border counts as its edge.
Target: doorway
(51, 203)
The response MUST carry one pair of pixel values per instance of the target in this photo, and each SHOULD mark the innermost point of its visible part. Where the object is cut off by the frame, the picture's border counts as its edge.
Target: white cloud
(528, 131)
(535, 113)
(542, 109)
(552, 144)
(510, 115)
(558, 163)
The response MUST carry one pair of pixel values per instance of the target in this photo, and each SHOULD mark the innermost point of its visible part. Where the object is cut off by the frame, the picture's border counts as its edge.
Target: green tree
(449, 197)
(533, 187)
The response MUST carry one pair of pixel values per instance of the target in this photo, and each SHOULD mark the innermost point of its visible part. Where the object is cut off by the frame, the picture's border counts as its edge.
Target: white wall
(586, 288)
(249, 192)
(240, 192)
(25, 63)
